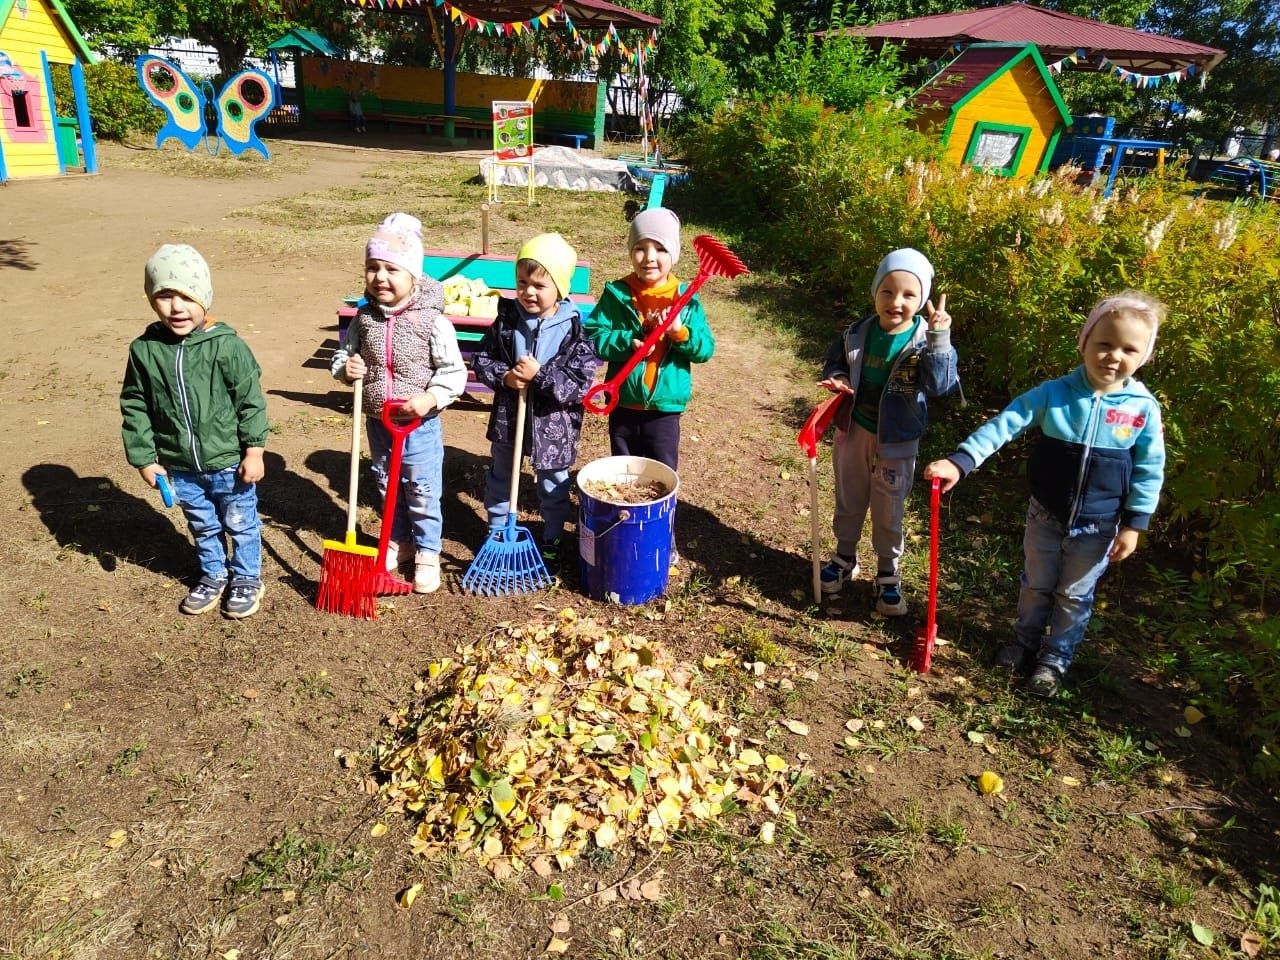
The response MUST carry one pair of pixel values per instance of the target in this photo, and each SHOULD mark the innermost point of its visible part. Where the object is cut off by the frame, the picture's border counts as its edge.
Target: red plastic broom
(346, 570)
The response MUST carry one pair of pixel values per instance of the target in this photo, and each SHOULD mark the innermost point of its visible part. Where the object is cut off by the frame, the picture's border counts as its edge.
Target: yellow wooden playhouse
(997, 108)
(38, 38)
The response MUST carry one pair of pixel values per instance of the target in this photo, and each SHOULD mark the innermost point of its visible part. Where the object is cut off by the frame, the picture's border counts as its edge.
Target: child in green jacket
(646, 422)
(194, 412)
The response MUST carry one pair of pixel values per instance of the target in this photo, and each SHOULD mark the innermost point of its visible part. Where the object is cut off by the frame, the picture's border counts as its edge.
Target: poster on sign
(512, 129)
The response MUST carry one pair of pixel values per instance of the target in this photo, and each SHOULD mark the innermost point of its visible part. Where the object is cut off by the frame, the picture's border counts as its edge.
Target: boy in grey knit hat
(887, 364)
(194, 413)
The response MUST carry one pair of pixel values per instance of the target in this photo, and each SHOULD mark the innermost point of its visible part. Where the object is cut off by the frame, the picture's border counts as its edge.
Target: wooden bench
(1248, 178)
(437, 121)
(496, 270)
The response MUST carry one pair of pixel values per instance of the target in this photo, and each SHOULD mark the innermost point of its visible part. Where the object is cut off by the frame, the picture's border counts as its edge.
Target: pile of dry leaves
(548, 737)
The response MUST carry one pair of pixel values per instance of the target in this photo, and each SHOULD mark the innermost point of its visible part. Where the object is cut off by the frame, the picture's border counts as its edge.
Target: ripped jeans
(220, 507)
(418, 515)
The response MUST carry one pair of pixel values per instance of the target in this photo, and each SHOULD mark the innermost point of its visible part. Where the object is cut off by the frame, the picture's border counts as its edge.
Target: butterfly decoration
(244, 100)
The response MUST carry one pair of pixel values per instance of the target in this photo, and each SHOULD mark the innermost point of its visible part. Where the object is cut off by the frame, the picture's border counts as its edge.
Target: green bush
(823, 195)
(117, 104)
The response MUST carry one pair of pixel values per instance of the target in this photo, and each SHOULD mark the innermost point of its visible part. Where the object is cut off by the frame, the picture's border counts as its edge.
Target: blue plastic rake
(509, 562)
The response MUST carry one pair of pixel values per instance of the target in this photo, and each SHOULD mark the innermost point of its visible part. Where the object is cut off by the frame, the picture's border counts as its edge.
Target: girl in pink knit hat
(403, 349)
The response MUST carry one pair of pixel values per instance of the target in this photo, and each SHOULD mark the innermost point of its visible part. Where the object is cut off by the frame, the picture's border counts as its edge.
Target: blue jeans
(418, 516)
(1061, 568)
(217, 506)
(553, 493)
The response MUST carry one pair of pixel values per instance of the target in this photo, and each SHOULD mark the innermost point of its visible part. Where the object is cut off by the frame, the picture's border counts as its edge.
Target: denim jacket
(925, 367)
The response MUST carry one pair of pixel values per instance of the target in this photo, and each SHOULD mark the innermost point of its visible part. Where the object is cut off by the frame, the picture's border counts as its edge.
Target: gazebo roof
(308, 41)
(1055, 33)
(584, 13)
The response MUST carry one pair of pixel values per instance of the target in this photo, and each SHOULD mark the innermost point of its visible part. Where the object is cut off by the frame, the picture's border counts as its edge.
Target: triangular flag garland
(1058, 66)
(1145, 81)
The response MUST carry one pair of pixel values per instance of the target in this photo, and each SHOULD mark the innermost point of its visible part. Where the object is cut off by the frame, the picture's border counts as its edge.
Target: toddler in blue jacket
(887, 363)
(1095, 475)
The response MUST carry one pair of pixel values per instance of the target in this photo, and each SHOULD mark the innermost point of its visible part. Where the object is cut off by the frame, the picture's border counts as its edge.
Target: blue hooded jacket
(1099, 458)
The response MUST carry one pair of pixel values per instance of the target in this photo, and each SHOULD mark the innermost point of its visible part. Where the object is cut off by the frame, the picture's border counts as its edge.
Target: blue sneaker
(837, 572)
(889, 596)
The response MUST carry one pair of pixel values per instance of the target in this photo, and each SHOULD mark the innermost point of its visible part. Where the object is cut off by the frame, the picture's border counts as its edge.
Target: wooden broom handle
(353, 484)
(519, 448)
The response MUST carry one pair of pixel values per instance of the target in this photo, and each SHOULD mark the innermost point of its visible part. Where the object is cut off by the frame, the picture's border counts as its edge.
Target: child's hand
(676, 326)
(419, 405)
(355, 368)
(526, 369)
(1126, 542)
(639, 344)
(511, 380)
(836, 384)
(150, 472)
(944, 470)
(251, 468)
(937, 317)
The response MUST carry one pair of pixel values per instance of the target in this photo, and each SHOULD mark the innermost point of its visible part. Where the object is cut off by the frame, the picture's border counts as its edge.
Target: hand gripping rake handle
(714, 260)
(399, 429)
(929, 635)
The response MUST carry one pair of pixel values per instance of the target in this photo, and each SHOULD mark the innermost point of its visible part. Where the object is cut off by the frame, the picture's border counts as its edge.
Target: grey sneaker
(243, 599)
(1013, 657)
(204, 596)
(837, 572)
(889, 600)
(1045, 681)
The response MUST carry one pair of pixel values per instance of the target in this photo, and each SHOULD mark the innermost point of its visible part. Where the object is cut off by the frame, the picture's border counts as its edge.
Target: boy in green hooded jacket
(194, 412)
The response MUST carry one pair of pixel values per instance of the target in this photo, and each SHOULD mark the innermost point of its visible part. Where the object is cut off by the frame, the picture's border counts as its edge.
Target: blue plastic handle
(166, 491)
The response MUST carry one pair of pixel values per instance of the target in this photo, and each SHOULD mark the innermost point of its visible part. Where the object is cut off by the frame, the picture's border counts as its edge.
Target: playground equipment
(197, 114)
(37, 38)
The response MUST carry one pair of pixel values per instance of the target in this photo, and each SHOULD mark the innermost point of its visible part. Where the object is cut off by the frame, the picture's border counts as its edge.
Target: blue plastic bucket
(625, 548)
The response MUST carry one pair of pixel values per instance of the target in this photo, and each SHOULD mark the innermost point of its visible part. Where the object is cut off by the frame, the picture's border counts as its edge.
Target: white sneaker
(394, 552)
(426, 572)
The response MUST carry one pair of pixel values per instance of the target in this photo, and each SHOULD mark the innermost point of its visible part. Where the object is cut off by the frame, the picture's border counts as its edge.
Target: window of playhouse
(996, 148)
(21, 112)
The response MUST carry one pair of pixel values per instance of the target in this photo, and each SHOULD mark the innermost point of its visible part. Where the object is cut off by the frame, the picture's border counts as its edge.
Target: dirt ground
(234, 756)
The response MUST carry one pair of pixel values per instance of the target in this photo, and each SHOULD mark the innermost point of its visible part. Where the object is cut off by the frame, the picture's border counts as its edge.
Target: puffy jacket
(555, 393)
(1099, 458)
(925, 367)
(191, 403)
(614, 323)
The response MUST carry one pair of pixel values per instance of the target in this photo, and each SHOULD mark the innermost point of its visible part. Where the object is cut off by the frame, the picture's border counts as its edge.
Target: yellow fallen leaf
(408, 895)
(1192, 715)
(751, 757)
(377, 830)
(1182, 731)
(1071, 781)
(796, 727)
(915, 723)
(556, 945)
(774, 763)
(492, 846)
(854, 725)
(989, 782)
(767, 830)
(606, 835)
(232, 954)
(117, 839)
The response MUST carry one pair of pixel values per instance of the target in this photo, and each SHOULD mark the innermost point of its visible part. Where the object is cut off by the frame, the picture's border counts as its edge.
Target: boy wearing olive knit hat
(193, 412)
(887, 364)
(537, 345)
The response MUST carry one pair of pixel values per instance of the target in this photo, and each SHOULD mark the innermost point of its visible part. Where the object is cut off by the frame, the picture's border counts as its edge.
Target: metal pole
(484, 229)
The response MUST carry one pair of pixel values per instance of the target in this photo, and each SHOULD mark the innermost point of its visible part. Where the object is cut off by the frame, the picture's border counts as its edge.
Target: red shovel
(814, 427)
(928, 636)
(714, 260)
(383, 582)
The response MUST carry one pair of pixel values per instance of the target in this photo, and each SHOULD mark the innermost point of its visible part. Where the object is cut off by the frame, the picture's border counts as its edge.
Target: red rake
(714, 260)
(382, 582)
(928, 636)
(814, 427)
(346, 570)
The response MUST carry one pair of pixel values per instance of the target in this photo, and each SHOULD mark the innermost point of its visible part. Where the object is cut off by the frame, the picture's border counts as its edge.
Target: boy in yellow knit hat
(537, 344)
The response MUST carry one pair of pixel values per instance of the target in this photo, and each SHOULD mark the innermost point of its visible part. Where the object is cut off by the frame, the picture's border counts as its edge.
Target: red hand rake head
(714, 260)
